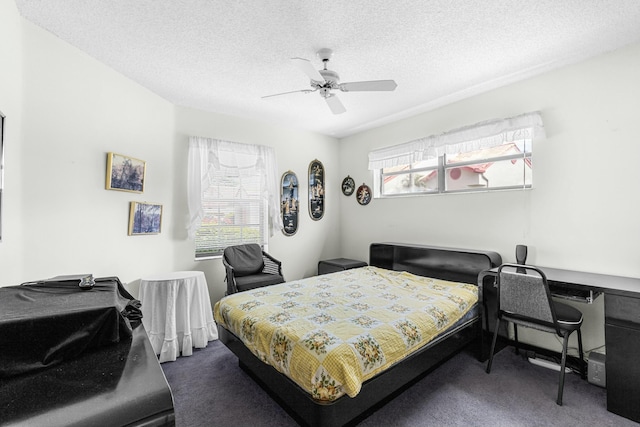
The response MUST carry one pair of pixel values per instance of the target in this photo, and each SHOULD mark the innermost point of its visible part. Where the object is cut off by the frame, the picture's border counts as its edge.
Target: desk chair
(249, 267)
(524, 299)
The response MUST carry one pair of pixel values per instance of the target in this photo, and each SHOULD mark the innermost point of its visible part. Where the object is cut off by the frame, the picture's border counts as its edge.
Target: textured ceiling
(223, 56)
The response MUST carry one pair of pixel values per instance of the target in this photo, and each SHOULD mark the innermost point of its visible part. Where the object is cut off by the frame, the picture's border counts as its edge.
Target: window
(419, 177)
(234, 213)
(488, 156)
(231, 195)
(505, 166)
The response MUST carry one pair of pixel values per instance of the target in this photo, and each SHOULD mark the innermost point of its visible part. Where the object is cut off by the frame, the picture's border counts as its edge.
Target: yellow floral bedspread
(330, 333)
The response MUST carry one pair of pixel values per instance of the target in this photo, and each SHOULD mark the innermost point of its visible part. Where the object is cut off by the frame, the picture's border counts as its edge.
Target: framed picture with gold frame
(145, 218)
(125, 173)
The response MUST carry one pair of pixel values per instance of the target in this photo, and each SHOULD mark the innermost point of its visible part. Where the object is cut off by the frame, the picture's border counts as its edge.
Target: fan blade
(306, 67)
(335, 104)
(293, 91)
(374, 85)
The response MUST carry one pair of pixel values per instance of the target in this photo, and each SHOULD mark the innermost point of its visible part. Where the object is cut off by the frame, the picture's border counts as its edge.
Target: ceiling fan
(325, 81)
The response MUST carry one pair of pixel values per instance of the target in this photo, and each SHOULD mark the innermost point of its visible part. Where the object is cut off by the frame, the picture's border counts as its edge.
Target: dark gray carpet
(209, 389)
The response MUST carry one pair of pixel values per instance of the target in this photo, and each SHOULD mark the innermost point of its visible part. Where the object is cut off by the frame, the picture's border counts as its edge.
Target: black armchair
(249, 267)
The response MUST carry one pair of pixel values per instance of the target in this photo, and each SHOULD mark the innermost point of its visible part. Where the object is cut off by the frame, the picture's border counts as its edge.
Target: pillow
(245, 259)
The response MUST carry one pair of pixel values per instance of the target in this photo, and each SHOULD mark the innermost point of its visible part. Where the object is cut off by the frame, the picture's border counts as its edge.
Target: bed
(328, 393)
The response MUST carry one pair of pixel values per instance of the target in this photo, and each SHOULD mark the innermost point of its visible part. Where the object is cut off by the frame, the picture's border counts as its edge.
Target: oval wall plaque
(316, 190)
(289, 203)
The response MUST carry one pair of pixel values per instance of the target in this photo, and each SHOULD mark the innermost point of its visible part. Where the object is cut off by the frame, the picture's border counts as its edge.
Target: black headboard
(458, 265)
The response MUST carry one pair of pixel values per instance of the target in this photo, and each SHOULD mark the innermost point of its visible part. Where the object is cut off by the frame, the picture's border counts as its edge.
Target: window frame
(442, 167)
(521, 131)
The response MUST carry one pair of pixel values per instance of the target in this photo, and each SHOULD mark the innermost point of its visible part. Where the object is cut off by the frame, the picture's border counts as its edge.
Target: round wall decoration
(348, 186)
(363, 194)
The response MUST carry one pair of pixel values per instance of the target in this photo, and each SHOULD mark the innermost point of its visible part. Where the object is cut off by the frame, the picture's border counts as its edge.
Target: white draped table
(177, 313)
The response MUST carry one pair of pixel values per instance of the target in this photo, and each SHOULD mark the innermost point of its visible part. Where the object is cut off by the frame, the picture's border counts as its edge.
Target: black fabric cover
(245, 259)
(114, 385)
(44, 324)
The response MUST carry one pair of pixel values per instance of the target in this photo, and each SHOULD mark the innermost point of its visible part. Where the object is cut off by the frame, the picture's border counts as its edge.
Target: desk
(622, 327)
(177, 313)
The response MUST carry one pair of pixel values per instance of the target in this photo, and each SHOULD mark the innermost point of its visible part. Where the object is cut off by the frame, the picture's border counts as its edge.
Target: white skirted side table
(177, 314)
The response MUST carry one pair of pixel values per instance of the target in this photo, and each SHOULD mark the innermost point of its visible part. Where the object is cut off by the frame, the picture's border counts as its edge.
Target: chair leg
(563, 364)
(583, 368)
(515, 336)
(493, 345)
(480, 343)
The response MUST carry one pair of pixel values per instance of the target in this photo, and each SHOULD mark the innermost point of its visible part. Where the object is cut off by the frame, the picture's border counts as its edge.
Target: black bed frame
(459, 265)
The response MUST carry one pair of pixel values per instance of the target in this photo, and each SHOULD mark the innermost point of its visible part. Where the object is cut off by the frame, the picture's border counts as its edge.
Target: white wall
(583, 211)
(75, 110)
(65, 111)
(11, 107)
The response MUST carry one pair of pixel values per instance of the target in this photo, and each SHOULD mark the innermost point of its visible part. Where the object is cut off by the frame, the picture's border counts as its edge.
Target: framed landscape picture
(125, 173)
(144, 218)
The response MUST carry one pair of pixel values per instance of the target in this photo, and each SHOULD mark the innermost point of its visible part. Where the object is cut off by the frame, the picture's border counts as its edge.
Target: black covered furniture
(338, 264)
(622, 338)
(524, 299)
(249, 267)
(77, 358)
(117, 385)
(45, 323)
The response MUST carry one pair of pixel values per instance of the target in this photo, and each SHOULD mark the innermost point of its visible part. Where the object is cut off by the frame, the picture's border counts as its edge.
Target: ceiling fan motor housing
(330, 76)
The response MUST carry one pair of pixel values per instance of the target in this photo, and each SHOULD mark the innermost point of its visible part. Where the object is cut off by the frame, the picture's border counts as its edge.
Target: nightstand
(338, 264)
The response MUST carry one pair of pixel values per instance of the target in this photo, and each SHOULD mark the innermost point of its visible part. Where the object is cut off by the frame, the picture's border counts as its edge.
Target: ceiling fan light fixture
(325, 92)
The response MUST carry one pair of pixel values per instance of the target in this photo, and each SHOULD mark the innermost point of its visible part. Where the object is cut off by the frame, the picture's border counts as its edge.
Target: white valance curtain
(207, 155)
(469, 138)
